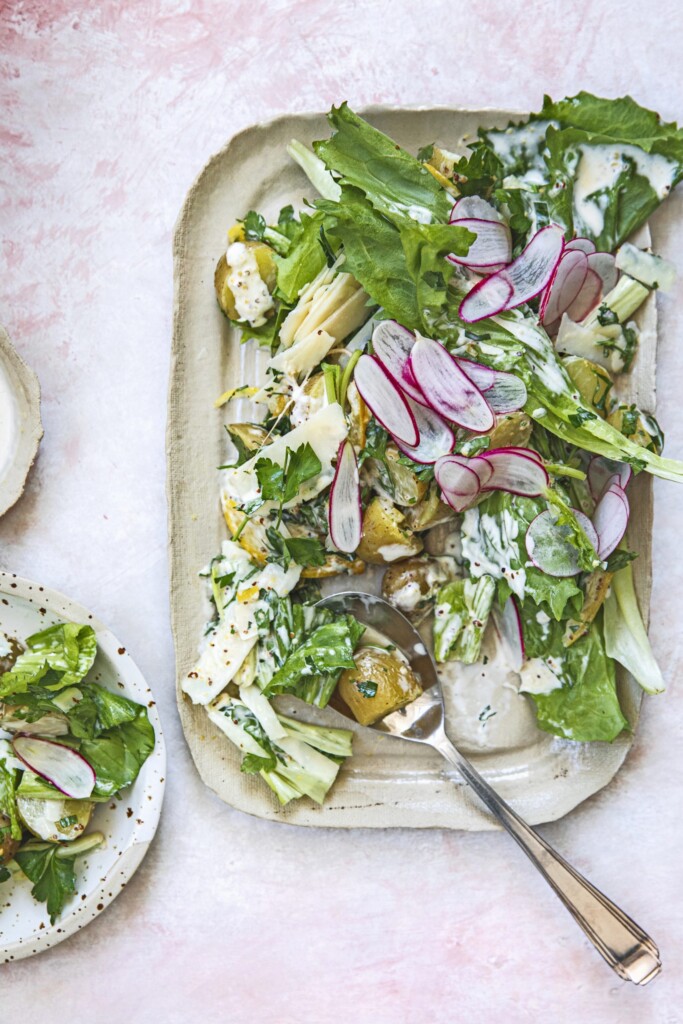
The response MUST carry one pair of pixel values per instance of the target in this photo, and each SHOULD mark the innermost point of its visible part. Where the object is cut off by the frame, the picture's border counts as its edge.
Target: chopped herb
(425, 154)
(368, 688)
(254, 226)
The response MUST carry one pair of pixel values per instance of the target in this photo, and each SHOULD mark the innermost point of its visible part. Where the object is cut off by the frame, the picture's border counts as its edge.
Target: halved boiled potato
(380, 683)
(385, 538)
(54, 820)
(267, 271)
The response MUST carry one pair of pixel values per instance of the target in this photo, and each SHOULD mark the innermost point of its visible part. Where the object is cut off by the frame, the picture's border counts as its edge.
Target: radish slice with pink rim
(436, 436)
(508, 623)
(491, 248)
(474, 208)
(448, 390)
(587, 299)
(66, 769)
(528, 453)
(392, 345)
(458, 482)
(345, 516)
(610, 519)
(603, 472)
(525, 277)
(516, 473)
(384, 399)
(565, 286)
(581, 245)
(605, 266)
(548, 545)
(504, 392)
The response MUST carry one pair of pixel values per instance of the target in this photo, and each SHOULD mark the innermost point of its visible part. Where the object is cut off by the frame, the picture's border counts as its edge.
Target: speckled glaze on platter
(20, 424)
(128, 824)
(386, 783)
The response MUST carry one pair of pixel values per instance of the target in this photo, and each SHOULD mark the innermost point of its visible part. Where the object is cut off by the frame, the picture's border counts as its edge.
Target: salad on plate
(443, 417)
(67, 744)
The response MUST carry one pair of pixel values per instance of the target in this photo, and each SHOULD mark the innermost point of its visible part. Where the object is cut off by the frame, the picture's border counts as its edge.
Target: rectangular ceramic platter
(386, 782)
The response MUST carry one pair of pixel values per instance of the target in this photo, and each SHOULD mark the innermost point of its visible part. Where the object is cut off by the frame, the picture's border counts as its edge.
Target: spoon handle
(625, 946)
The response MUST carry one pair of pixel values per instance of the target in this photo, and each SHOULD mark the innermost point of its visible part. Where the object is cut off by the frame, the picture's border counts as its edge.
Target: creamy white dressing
(249, 290)
(546, 366)
(8, 423)
(538, 677)
(392, 552)
(598, 170)
(501, 532)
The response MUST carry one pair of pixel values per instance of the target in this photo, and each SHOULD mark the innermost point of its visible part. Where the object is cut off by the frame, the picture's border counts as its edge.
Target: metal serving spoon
(623, 944)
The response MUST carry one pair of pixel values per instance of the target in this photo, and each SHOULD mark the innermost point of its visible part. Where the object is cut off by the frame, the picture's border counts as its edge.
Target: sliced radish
(483, 376)
(587, 299)
(516, 473)
(581, 244)
(473, 207)
(549, 547)
(602, 472)
(509, 625)
(345, 515)
(528, 453)
(491, 248)
(526, 276)
(565, 286)
(392, 344)
(458, 482)
(436, 437)
(605, 266)
(610, 519)
(503, 391)
(448, 390)
(384, 400)
(508, 394)
(63, 767)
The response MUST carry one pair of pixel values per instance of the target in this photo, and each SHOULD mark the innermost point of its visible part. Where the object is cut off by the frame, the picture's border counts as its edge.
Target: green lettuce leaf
(493, 544)
(461, 611)
(394, 181)
(586, 706)
(53, 877)
(8, 799)
(117, 754)
(304, 260)
(626, 638)
(312, 669)
(63, 653)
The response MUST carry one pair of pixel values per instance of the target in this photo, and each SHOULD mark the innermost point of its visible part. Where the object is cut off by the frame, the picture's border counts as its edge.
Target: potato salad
(448, 333)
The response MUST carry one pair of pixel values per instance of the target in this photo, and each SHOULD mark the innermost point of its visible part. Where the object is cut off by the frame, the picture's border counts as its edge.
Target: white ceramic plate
(20, 425)
(386, 782)
(128, 824)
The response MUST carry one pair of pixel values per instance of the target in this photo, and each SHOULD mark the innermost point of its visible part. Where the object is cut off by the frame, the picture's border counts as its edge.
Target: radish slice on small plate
(581, 245)
(525, 277)
(448, 390)
(491, 248)
(610, 519)
(345, 512)
(436, 436)
(385, 400)
(515, 472)
(392, 345)
(458, 481)
(58, 764)
(602, 472)
(473, 207)
(548, 545)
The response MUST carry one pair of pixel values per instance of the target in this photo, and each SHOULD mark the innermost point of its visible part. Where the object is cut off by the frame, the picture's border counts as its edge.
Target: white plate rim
(27, 392)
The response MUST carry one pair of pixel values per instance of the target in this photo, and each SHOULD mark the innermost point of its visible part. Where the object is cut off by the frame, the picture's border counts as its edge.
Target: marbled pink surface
(107, 111)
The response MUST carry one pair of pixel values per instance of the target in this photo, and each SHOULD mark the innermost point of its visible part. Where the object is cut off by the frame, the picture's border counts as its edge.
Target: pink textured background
(107, 111)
